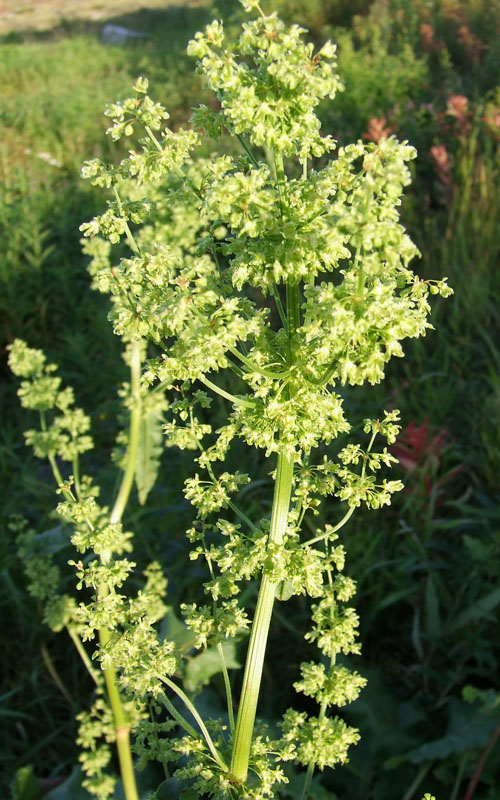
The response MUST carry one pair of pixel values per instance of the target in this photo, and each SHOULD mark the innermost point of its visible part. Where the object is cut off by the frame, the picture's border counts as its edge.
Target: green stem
(255, 367)
(152, 717)
(459, 775)
(222, 392)
(76, 475)
(336, 528)
(227, 684)
(220, 649)
(83, 655)
(307, 783)
(260, 628)
(153, 138)
(54, 674)
(247, 150)
(292, 306)
(133, 442)
(418, 780)
(128, 232)
(312, 765)
(178, 717)
(279, 306)
(279, 170)
(324, 706)
(254, 665)
(57, 475)
(239, 513)
(175, 168)
(122, 727)
(203, 728)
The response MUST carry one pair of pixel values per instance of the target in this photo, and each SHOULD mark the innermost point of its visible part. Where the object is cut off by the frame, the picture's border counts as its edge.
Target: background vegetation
(428, 567)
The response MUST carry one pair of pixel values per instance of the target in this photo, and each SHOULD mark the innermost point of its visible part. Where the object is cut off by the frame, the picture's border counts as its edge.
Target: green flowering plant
(98, 537)
(285, 268)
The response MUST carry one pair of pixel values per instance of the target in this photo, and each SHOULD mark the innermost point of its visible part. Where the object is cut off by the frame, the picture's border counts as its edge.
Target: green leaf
(477, 610)
(467, 729)
(25, 785)
(71, 789)
(395, 597)
(8, 712)
(171, 789)
(149, 452)
(168, 790)
(476, 548)
(284, 591)
(201, 668)
(433, 618)
(52, 541)
(189, 794)
(415, 635)
(175, 629)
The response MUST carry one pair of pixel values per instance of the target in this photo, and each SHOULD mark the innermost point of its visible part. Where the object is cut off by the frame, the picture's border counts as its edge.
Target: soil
(37, 16)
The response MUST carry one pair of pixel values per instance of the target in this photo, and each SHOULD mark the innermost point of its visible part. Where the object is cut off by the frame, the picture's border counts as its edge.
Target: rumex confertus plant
(284, 267)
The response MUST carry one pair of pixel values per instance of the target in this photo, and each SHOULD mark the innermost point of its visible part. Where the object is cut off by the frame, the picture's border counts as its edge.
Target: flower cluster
(41, 391)
(269, 83)
(324, 740)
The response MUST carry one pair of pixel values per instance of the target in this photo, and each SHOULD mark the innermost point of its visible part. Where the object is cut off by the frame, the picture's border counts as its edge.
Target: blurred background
(428, 567)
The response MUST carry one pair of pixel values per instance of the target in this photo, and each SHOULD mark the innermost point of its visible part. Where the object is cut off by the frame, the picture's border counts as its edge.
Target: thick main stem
(252, 676)
(260, 627)
(122, 727)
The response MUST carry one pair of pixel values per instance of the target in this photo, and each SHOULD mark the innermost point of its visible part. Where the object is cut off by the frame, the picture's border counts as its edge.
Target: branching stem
(83, 655)
(128, 233)
(336, 528)
(227, 685)
(260, 626)
(222, 392)
(247, 150)
(256, 367)
(133, 442)
(203, 728)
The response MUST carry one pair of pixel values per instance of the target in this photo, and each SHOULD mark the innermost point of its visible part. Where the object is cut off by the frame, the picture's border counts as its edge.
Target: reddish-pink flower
(473, 45)
(442, 165)
(458, 107)
(419, 449)
(429, 43)
(378, 128)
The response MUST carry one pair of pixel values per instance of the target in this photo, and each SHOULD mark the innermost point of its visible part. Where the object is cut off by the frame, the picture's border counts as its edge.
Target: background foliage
(428, 567)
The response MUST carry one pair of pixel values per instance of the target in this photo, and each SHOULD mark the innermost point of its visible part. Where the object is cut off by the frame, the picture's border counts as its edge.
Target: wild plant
(277, 278)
